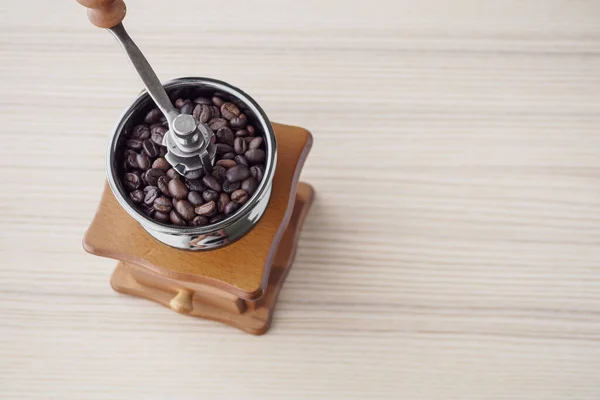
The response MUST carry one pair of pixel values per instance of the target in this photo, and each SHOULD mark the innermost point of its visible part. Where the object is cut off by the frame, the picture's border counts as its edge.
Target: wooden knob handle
(182, 302)
(104, 13)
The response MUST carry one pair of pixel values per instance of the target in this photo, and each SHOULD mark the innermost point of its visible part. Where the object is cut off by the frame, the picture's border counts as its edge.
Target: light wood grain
(453, 247)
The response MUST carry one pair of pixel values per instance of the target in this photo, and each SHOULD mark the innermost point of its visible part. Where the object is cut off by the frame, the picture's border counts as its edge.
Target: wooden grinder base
(237, 284)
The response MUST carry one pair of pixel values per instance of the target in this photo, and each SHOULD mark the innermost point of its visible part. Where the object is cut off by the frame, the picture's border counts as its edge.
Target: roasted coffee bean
(197, 111)
(241, 160)
(161, 164)
(131, 181)
(216, 113)
(222, 202)
(134, 144)
(219, 172)
(144, 181)
(257, 171)
(241, 133)
(231, 208)
(230, 187)
(210, 195)
(131, 161)
(212, 183)
(187, 107)
(250, 130)
(143, 161)
(229, 111)
(195, 198)
(185, 209)
(161, 216)
(140, 132)
(217, 101)
(176, 218)
(228, 156)
(158, 128)
(217, 123)
(216, 218)
(225, 135)
(200, 220)
(194, 174)
(237, 173)
(163, 185)
(238, 122)
(249, 185)
(240, 196)
(152, 176)
(137, 196)
(255, 143)
(150, 148)
(162, 204)
(248, 139)
(207, 209)
(178, 189)
(179, 102)
(203, 100)
(240, 146)
(227, 163)
(172, 174)
(205, 114)
(150, 194)
(163, 151)
(195, 185)
(255, 156)
(157, 138)
(223, 148)
(153, 116)
(147, 209)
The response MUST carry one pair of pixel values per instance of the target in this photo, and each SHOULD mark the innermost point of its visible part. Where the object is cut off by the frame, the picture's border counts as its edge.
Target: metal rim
(216, 85)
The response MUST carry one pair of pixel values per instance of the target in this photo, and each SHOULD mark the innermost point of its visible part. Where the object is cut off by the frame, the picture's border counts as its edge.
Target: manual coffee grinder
(233, 269)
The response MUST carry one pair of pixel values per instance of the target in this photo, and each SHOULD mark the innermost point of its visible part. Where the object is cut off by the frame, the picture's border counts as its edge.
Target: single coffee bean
(229, 111)
(200, 220)
(132, 181)
(187, 107)
(238, 173)
(217, 101)
(217, 123)
(158, 128)
(219, 172)
(223, 148)
(163, 151)
(210, 195)
(227, 163)
(176, 218)
(185, 209)
(248, 139)
(222, 201)
(140, 132)
(196, 112)
(231, 208)
(144, 181)
(149, 211)
(194, 174)
(172, 174)
(131, 161)
(151, 193)
(255, 143)
(157, 138)
(195, 198)
(230, 187)
(195, 185)
(162, 204)
(240, 146)
(162, 164)
(163, 185)
(216, 112)
(216, 218)
(207, 209)
(203, 100)
(250, 130)
(178, 189)
(241, 133)
(238, 122)
(150, 148)
(153, 116)
(240, 196)
(137, 196)
(206, 114)
(225, 135)
(161, 216)
(249, 185)
(212, 182)
(228, 156)
(179, 102)
(152, 176)
(143, 161)
(134, 144)
(241, 160)
(257, 171)
(255, 156)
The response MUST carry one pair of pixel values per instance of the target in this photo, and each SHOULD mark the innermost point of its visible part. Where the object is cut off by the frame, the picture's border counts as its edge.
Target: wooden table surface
(452, 252)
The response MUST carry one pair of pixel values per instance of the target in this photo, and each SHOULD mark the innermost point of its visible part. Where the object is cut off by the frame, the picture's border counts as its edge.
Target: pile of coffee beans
(195, 199)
